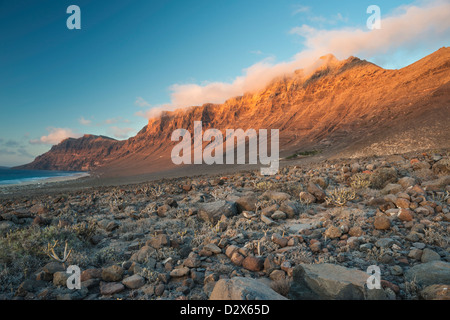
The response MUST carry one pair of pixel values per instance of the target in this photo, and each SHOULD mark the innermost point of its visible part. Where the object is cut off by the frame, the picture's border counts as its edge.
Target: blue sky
(129, 54)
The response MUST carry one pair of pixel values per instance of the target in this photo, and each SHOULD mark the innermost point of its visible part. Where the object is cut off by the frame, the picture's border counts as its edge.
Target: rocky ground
(306, 233)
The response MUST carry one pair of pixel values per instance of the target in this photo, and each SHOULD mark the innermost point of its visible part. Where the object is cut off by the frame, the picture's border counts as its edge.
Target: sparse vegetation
(153, 237)
(307, 153)
(360, 181)
(340, 196)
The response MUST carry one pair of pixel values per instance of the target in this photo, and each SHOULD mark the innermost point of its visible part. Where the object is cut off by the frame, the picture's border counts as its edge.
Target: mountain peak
(350, 103)
(329, 59)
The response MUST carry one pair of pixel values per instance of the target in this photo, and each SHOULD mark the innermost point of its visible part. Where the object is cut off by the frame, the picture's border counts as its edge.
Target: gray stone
(392, 188)
(278, 215)
(307, 198)
(212, 248)
(53, 267)
(179, 272)
(247, 203)
(419, 245)
(407, 182)
(290, 208)
(427, 274)
(436, 292)
(396, 270)
(365, 247)
(316, 191)
(384, 242)
(239, 288)
(108, 225)
(68, 294)
(276, 195)
(429, 255)
(213, 211)
(267, 220)
(112, 273)
(159, 241)
(436, 185)
(60, 278)
(134, 282)
(415, 254)
(143, 255)
(110, 288)
(328, 281)
(299, 227)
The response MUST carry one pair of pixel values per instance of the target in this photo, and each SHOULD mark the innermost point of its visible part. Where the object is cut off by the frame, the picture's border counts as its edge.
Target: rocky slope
(345, 108)
(311, 232)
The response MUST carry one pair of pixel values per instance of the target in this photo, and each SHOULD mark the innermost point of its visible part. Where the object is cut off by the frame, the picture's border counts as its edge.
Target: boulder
(429, 255)
(316, 191)
(253, 263)
(392, 188)
(438, 184)
(110, 288)
(134, 282)
(382, 176)
(276, 195)
(427, 274)
(213, 211)
(442, 167)
(247, 203)
(436, 292)
(112, 273)
(331, 282)
(239, 288)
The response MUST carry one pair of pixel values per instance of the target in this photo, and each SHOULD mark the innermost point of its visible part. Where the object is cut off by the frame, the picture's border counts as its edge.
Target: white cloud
(257, 52)
(300, 9)
(116, 120)
(55, 136)
(120, 133)
(155, 111)
(304, 30)
(84, 122)
(332, 20)
(141, 102)
(414, 29)
(410, 28)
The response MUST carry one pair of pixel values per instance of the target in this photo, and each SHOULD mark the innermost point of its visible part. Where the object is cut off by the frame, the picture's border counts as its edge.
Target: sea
(14, 177)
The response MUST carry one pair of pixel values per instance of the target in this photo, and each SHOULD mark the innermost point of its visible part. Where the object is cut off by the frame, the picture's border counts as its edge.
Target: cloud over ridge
(56, 135)
(426, 23)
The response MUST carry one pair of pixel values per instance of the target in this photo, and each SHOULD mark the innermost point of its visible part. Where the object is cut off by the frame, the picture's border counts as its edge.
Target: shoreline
(44, 182)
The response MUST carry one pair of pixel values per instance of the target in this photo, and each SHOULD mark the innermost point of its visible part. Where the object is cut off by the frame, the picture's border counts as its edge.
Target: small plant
(303, 154)
(441, 197)
(50, 251)
(85, 230)
(340, 196)
(305, 202)
(182, 234)
(151, 275)
(221, 193)
(156, 191)
(434, 237)
(360, 181)
(412, 289)
(264, 185)
(164, 253)
(150, 208)
(116, 201)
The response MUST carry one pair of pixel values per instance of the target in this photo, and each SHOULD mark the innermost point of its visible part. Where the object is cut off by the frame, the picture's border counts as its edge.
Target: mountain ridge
(346, 108)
